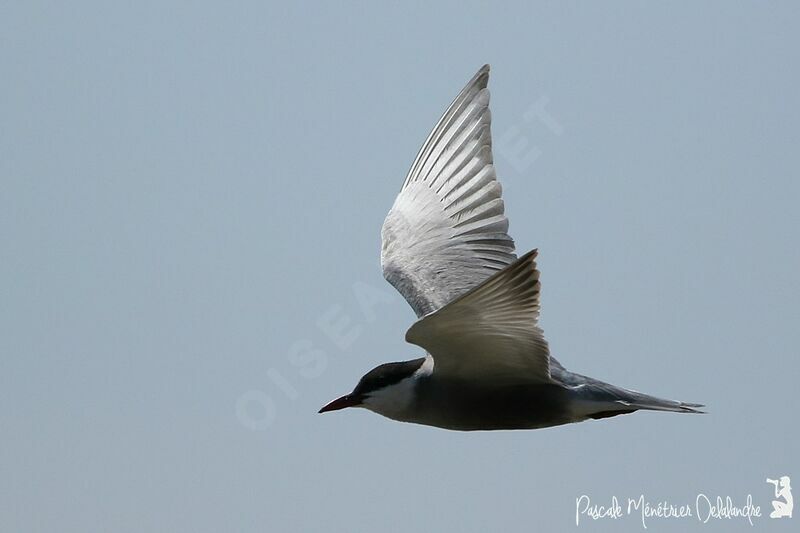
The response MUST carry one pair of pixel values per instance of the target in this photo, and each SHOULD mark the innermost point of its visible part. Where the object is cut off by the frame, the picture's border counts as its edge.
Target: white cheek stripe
(394, 400)
(426, 369)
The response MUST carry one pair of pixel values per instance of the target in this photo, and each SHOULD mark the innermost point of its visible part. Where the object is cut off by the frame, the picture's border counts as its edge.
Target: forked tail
(601, 400)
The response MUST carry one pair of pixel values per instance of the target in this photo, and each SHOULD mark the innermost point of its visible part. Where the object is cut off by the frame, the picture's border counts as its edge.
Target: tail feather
(651, 403)
(601, 400)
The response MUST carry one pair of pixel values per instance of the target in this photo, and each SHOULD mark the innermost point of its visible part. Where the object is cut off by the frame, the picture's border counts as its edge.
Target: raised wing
(491, 332)
(447, 230)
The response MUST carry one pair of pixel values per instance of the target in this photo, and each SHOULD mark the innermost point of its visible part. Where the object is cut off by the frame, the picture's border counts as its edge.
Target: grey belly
(467, 406)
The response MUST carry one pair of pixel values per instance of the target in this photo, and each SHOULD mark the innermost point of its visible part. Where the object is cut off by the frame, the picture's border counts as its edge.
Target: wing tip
(481, 77)
(529, 257)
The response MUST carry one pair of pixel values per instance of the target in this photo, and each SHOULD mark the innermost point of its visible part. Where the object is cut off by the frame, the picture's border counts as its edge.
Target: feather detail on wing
(447, 230)
(491, 332)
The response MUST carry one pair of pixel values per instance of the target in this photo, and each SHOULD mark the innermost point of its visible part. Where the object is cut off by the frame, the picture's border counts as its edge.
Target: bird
(445, 247)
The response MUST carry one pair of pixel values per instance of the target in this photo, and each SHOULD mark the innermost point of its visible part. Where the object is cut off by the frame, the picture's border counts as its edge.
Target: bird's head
(386, 389)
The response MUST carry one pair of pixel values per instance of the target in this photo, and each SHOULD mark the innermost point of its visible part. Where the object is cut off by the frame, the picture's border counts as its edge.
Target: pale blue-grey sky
(192, 195)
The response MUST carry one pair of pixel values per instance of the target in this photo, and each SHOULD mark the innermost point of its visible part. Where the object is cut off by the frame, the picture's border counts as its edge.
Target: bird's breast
(469, 406)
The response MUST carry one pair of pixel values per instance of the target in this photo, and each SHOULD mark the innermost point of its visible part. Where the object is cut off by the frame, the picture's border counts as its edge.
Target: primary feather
(447, 230)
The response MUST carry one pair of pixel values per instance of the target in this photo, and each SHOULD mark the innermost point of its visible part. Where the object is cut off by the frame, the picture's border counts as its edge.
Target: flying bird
(446, 249)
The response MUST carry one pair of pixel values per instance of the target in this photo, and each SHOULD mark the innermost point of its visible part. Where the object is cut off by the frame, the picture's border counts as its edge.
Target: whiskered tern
(446, 249)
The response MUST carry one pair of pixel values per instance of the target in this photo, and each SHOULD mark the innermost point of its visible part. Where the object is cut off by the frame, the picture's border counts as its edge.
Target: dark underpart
(609, 414)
